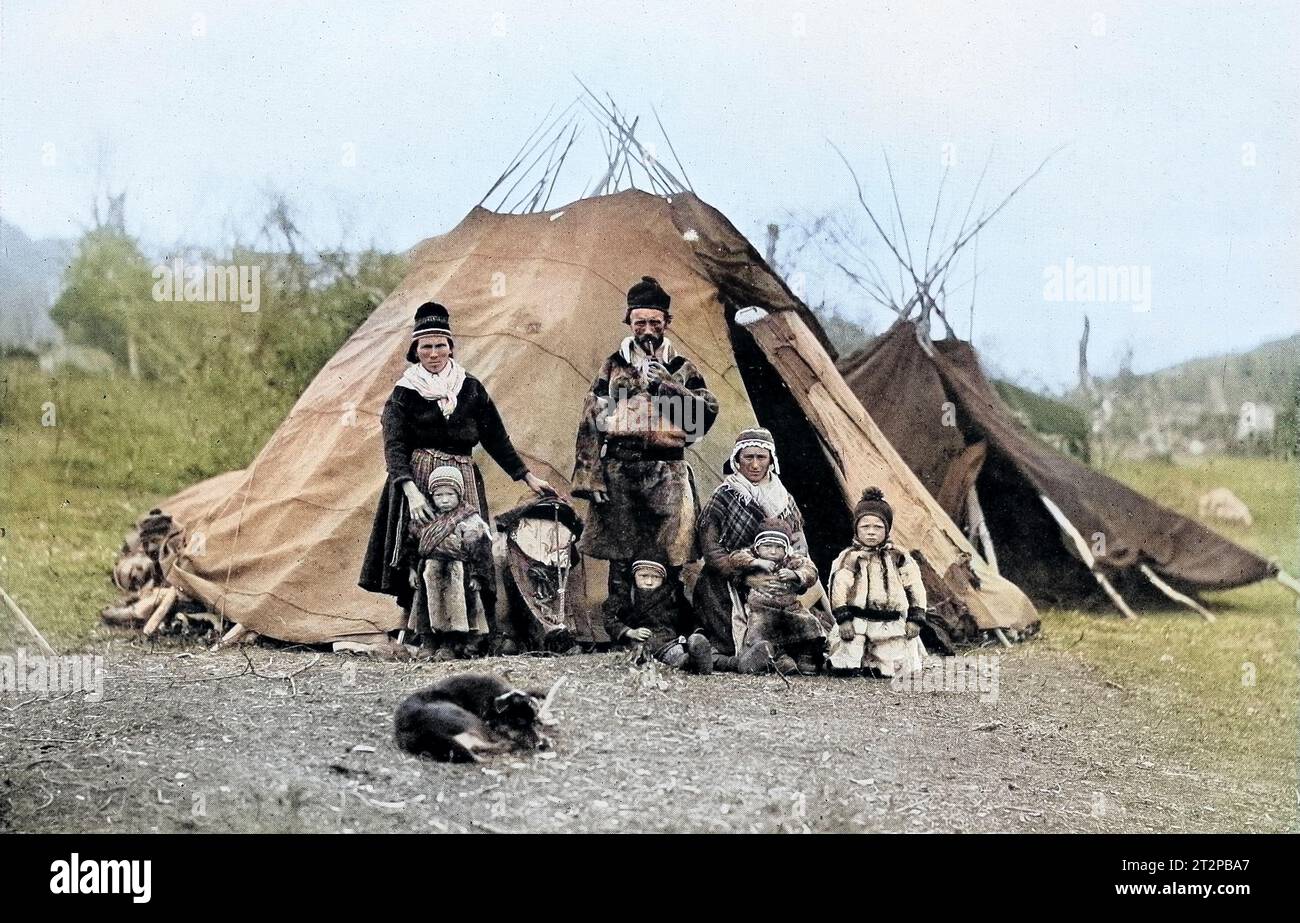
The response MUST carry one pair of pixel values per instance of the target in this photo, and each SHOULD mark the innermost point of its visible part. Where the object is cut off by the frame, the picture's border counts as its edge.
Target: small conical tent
(537, 304)
(934, 404)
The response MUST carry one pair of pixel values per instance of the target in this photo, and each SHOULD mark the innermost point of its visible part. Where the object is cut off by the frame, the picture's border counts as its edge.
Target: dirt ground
(277, 740)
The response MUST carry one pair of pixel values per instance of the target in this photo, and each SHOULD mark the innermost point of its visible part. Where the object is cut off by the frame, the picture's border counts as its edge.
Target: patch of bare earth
(279, 740)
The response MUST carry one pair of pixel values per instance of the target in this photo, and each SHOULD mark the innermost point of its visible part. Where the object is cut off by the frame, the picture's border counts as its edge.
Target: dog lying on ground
(460, 717)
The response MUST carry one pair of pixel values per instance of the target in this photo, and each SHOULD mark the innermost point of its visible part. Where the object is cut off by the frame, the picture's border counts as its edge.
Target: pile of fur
(148, 601)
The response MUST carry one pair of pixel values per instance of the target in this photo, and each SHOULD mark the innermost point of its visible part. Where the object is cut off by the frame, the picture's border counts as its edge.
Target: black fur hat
(430, 318)
(873, 503)
(647, 293)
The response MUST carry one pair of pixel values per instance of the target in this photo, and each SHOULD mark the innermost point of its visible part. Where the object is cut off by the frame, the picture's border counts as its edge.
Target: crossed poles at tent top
(528, 182)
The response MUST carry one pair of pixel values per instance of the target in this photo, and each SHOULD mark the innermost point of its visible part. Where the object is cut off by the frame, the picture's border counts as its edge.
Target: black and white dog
(462, 716)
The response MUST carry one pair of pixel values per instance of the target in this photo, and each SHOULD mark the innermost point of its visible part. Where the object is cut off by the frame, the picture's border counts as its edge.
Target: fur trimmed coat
(764, 612)
(876, 590)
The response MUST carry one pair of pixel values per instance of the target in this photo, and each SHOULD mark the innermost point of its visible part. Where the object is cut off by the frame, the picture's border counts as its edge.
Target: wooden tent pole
(975, 512)
(27, 623)
(1175, 595)
(234, 636)
(162, 609)
(1086, 554)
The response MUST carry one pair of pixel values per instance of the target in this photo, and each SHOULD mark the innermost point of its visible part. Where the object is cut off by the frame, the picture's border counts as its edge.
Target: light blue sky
(198, 107)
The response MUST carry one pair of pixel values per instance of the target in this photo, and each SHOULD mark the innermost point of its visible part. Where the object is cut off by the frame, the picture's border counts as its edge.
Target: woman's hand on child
(421, 511)
(846, 631)
(637, 634)
(785, 575)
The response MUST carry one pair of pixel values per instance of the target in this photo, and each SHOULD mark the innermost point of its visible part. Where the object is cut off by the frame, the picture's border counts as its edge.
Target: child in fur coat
(454, 567)
(779, 630)
(876, 597)
(654, 617)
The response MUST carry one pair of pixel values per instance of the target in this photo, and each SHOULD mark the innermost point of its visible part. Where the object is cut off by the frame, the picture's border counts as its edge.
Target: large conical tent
(537, 304)
(936, 407)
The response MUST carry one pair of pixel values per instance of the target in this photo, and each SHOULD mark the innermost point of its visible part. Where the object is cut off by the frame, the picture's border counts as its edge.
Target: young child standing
(453, 571)
(778, 628)
(654, 617)
(874, 589)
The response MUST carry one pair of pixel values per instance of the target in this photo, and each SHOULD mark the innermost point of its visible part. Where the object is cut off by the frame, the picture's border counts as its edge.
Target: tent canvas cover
(537, 303)
(1124, 529)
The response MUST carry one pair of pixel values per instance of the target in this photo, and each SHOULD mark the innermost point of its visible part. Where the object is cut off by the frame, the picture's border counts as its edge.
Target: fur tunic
(635, 455)
(773, 614)
(875, 590)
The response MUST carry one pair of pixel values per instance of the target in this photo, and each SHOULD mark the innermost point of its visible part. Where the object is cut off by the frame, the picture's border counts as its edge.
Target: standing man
(644, 408)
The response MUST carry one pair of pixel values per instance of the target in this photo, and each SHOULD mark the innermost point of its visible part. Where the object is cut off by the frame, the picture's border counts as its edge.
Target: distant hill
(1265, 374)
(30, 274)
(1241, 402)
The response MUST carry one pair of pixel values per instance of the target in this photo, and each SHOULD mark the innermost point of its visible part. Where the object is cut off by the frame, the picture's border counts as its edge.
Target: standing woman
(435, 417)
(750, 493)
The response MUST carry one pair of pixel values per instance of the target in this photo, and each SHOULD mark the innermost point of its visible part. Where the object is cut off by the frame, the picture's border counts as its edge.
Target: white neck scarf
(634, 355)
(443, 387)
(768, 493)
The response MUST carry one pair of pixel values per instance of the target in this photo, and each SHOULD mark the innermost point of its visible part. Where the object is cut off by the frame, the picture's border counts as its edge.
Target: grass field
(1233, 684)
(117, 447)
(82, 456)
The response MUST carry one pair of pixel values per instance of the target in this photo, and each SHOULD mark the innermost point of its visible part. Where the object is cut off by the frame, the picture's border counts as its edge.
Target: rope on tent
(1174, 594)
(1086, 554)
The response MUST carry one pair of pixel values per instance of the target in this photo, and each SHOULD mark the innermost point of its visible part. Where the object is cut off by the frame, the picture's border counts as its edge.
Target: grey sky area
(385, 123)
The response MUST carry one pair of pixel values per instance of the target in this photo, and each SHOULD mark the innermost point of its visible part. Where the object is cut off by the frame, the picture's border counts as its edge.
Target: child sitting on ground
(654, 619)
(779, 631)
(453, 571)
(876, 597)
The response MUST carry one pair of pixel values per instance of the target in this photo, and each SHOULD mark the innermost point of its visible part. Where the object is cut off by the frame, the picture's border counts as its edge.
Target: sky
(384, 123)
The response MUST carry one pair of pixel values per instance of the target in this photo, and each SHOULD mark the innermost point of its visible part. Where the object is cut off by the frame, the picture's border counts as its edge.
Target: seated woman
(750, 493)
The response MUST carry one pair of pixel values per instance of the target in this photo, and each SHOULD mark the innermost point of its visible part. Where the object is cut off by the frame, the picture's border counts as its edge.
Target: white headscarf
(444, 387)
(769, 493)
